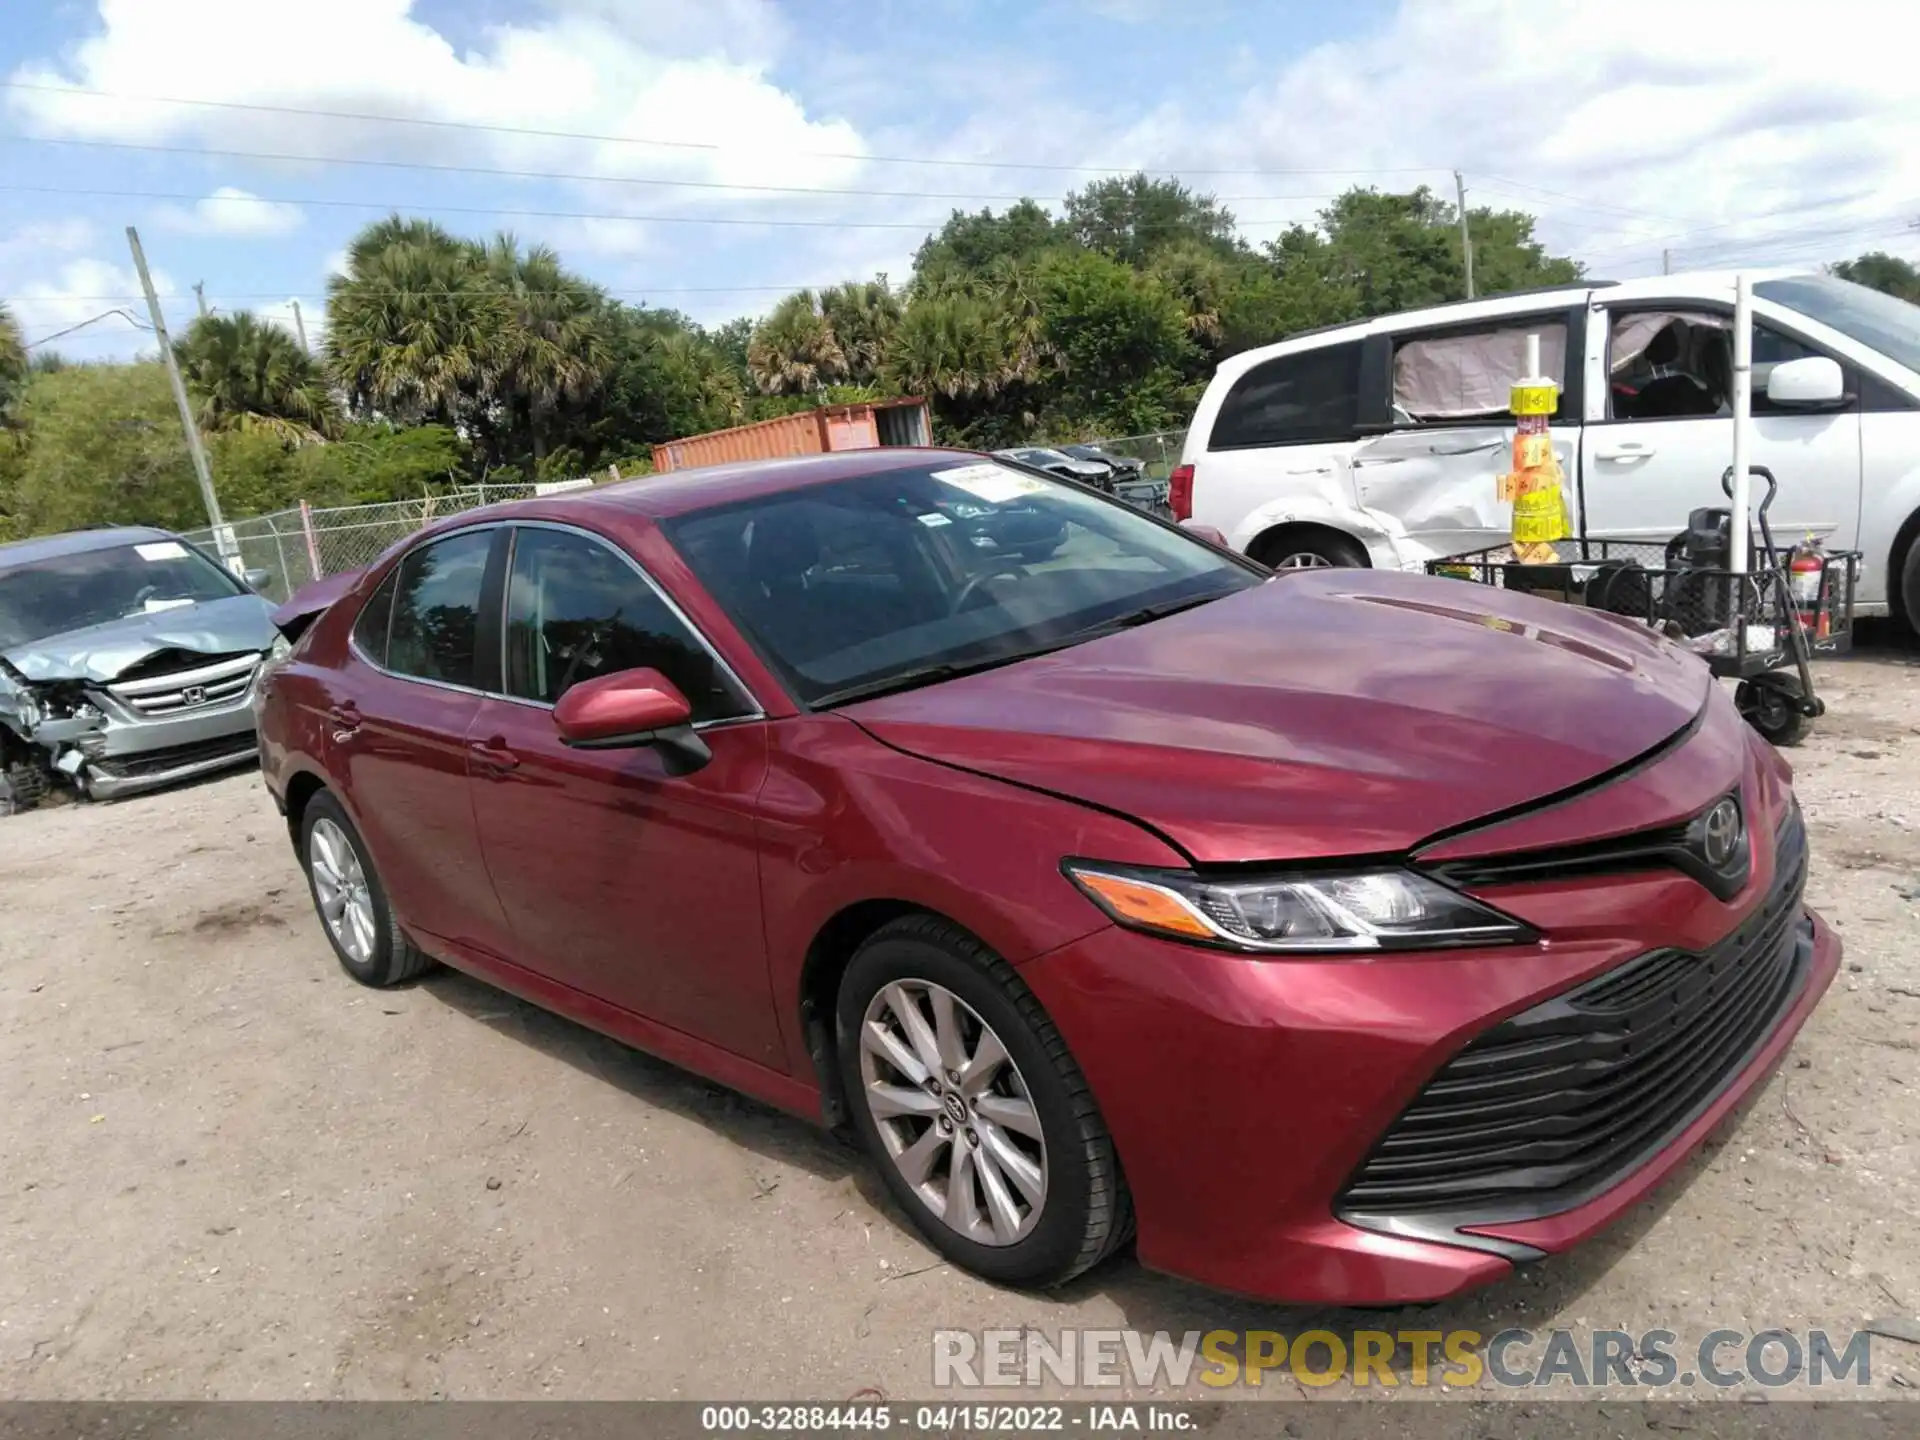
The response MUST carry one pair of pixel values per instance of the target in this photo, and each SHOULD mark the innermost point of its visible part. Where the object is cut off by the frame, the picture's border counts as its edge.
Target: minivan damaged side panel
(1442, 485)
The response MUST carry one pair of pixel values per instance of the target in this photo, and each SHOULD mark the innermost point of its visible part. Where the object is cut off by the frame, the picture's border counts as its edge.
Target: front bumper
(1245, 1094)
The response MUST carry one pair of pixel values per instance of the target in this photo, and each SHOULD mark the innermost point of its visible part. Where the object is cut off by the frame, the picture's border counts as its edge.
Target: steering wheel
(974, 582)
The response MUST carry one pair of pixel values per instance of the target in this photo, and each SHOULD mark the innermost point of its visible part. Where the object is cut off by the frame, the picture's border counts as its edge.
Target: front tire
(980, 1123)
(350, 900)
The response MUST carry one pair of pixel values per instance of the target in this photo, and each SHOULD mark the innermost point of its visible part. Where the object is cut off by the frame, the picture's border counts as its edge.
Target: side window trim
(754, 710)
(494, 559)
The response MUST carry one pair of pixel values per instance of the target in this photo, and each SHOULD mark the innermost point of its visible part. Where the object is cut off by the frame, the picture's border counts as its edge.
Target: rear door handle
(1472, 449)
(493, 756)
(1625, 450)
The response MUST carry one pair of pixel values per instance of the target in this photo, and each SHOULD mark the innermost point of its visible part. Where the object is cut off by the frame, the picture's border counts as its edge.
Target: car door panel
(1643, 476)
(622, 880)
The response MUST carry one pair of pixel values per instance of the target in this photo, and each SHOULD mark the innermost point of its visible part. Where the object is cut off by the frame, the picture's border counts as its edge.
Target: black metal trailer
(1750, 627)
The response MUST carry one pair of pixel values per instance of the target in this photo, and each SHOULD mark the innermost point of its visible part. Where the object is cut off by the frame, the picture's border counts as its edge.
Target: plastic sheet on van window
(1451, 377)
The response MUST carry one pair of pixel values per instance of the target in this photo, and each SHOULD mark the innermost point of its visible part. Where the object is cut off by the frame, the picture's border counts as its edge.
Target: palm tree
(416, 330)
(244, 375)
(1197, 275)
(863, 316)
(557, 347)
(951, 345)
(793, 351)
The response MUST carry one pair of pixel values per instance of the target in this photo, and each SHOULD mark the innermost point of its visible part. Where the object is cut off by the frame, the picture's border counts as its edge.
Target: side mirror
(256, 579)
(628, 709)
(1207, 533)
(1810, 384)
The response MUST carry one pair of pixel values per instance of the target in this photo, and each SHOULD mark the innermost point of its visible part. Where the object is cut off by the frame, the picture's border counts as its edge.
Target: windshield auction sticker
(991, 483)
(161, 550)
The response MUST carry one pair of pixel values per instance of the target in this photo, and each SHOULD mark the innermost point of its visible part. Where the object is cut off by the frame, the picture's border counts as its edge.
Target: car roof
(1695, 285)
(680, 492)
(78, 542)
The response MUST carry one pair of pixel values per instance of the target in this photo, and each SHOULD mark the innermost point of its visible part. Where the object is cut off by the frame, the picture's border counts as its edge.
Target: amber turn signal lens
(1138, 903)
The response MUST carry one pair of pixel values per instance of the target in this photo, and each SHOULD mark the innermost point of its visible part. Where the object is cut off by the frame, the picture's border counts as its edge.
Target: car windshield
(885, 581)
(71, 592)
(1887, 324)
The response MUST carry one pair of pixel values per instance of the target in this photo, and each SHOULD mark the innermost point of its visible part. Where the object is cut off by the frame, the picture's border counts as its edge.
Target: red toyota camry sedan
(1349, 936)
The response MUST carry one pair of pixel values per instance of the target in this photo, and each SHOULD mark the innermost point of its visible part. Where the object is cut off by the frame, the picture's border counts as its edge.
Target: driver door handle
(493, 756)
(1625, 450)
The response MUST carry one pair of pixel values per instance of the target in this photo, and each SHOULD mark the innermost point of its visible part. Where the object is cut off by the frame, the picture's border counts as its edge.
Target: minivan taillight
(1180, 492)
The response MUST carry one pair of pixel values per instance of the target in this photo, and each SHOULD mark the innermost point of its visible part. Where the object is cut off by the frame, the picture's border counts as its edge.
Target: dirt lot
(226, 1171)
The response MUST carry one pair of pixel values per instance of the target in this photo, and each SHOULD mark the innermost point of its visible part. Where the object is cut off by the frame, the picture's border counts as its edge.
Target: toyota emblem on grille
(194, 695)
(1720, 834)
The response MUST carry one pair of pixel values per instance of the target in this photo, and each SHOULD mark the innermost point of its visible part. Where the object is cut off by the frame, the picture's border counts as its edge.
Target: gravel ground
(226, 1171)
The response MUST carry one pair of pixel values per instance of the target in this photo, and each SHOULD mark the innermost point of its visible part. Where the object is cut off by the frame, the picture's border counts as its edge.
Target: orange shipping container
(812, 432)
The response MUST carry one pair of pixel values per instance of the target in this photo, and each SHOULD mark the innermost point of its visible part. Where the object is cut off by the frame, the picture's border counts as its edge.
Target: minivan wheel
(351, 903)
(1309, 549)
(982, 1126)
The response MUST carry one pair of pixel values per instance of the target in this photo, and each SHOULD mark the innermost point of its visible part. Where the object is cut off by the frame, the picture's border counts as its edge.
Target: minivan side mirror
(1812, 383)
(629, 709)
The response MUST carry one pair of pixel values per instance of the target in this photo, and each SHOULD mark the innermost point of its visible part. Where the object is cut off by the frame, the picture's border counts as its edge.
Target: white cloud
(234, 212)
(49, 290)
(583, 68)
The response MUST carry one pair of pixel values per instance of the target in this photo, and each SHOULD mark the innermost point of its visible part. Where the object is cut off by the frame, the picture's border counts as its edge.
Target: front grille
(1553, 1105)
(181, 691)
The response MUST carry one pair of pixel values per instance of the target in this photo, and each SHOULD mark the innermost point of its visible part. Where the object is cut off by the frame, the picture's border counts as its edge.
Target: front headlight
(1381, 909)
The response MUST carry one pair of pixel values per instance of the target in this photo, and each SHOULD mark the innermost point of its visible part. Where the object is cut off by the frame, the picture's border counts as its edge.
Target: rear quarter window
(1305, 398)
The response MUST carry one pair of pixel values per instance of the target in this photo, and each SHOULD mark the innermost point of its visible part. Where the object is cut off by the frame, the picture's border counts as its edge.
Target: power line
(701, 145)
(1796, 209)
(1580, 203)
(583, 178)
(93, 320)
(396, 206)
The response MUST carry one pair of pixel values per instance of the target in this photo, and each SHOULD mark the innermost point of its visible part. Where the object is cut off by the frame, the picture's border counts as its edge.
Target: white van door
(1437, 471)
(1660, 434)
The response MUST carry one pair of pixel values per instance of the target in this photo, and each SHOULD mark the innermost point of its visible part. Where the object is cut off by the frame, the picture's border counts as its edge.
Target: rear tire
(1309, 549)
(1020, 1125)
(1909, 610)
(350, 900)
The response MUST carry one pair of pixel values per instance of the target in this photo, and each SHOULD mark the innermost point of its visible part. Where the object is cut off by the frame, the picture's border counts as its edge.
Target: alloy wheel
(953, 1112)
(340, 886)
(1303, 560)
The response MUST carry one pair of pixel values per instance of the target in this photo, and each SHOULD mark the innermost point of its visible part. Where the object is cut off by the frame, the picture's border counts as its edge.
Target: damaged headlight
(1375, 909)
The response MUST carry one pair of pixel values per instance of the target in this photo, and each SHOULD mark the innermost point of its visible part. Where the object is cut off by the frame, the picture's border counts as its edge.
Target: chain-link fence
(297, 546)
(1160, 450)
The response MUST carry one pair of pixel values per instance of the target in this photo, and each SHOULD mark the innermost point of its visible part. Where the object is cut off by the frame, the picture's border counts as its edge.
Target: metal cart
(1750, 627)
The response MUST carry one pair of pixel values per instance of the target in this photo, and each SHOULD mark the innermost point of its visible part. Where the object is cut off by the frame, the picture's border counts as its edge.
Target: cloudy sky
(710, 154)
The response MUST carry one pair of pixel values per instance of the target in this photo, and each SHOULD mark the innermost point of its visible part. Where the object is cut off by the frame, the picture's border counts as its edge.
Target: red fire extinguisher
(1806, 572)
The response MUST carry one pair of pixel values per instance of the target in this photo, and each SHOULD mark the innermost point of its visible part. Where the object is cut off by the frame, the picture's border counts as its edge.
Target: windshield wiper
(1143, 615)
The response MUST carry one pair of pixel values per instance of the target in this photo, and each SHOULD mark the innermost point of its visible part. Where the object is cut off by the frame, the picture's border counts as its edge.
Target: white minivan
(1378, 443)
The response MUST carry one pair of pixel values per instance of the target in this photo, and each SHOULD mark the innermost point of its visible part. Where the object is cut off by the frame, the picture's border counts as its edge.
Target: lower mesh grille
(1555, 1103)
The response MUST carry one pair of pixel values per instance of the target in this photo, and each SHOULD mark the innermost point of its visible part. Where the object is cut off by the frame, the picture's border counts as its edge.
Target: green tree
(1881, 271)
(863, 316)
(13, 361)
(1129, 218)
(1122, 342)
(554, 349)
(794, 351)
(416, 330)
(970, 245)
(103, 447)
(242, 374)
(371, 462)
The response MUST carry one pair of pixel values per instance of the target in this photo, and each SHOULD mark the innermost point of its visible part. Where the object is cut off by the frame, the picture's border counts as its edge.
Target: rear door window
(1312, 397)
(370, 629)
(436, 610)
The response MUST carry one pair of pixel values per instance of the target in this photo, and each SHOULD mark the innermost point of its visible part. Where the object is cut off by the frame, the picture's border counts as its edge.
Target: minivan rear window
(1313, 396)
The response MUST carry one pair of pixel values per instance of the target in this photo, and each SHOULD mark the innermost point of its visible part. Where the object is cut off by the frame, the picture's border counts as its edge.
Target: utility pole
(1666, 262)
(300, 327)
(222, 541)
(1466, 235)
(200, 295)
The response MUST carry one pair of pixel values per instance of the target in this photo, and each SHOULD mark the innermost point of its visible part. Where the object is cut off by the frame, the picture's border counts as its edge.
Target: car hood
(101, 652)
(1335, 712)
